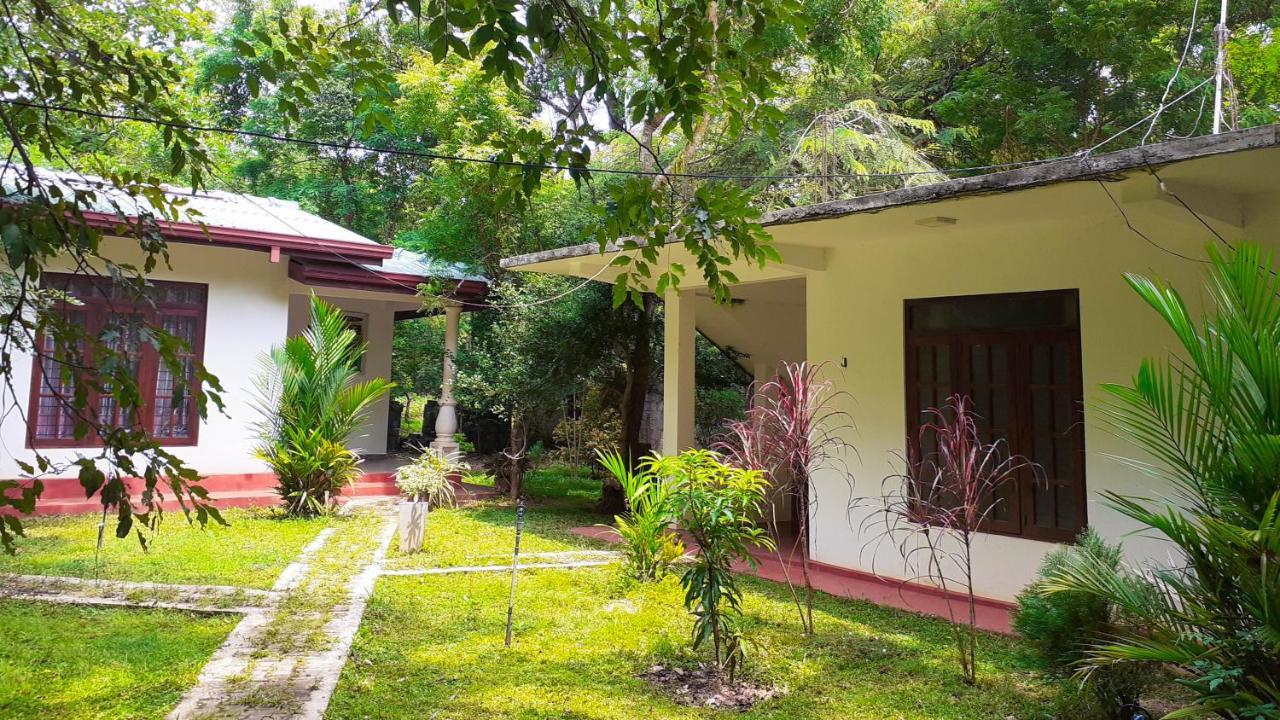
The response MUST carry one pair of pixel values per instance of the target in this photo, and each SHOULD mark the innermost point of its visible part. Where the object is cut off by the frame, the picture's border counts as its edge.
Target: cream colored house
(1007, 287)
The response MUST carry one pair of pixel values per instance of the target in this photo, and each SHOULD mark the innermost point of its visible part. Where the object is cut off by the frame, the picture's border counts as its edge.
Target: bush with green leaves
(1210, 418)
(1063, 625)
(311, 403)
(429, 478)
(718, 505)
(649, 546)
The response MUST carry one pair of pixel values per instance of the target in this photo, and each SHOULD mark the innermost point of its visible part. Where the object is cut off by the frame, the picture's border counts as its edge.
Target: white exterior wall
(855, 311)
(248, 307)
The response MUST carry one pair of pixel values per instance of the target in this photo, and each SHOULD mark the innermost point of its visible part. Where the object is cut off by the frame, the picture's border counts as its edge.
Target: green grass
(431, 646)
(74, 662)
(558, 499)
(250, 552)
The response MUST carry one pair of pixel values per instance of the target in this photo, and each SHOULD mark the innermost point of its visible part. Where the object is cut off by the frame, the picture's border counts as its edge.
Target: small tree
(311, 403)
(792, 430)
(934, 512)
(717, 504)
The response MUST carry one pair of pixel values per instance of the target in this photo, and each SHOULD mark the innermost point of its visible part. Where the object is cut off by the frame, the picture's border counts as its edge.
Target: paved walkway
(284, 661)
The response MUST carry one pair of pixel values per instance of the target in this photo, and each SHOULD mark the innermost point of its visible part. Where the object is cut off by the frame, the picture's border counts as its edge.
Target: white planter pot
(413, 525)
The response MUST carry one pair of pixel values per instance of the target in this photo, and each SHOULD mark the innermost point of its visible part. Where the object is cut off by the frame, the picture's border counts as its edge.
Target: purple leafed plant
(792, 429)
(934, 511)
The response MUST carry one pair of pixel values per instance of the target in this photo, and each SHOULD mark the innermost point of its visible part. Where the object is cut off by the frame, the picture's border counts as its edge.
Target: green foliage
(429, 478)
(1209, 418)
(465, 446)
(1063, 625)
(717, 504)
(310, 403)
(648, 544)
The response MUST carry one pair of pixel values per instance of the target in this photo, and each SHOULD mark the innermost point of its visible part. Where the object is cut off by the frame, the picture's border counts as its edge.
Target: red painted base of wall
(65, 496)
(992, 615)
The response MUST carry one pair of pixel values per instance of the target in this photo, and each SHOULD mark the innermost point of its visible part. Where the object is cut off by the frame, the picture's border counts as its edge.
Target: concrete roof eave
(1079, 167)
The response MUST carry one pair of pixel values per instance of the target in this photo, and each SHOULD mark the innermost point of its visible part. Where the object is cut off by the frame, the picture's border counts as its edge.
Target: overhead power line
(429, 155)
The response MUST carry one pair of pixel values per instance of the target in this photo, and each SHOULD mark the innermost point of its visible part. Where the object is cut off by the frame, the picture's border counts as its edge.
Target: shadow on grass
(435, 646)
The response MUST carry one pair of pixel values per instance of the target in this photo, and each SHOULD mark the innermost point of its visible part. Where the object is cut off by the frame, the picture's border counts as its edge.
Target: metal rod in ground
(515, 565)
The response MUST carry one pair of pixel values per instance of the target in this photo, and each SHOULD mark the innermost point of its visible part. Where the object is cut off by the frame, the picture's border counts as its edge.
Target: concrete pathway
(121, 593)
(284, 660)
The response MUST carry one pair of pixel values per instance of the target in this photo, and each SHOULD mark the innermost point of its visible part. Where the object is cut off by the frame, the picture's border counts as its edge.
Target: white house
(1006, 287)
(236, 285)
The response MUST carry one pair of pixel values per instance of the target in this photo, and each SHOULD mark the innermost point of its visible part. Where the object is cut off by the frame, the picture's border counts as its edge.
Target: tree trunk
(639, 370)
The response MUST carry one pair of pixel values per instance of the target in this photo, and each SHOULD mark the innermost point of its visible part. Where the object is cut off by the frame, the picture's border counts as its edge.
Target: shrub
(648, 545)
(1210, 419)
(717, 504)
(1063, 625)
(429, 478)
(310, 469)
(310, 404)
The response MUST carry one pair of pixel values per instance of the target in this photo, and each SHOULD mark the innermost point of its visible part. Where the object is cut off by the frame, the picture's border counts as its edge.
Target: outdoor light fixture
(937, 221)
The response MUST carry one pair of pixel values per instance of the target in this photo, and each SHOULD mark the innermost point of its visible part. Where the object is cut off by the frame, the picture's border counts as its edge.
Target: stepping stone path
(283, 660)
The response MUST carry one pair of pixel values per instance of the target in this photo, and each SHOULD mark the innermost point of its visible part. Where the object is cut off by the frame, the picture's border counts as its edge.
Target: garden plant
(792, 429)
(311, 402)
(1211, 418)
(649, 546)
(934, 512)
(1063, 625)
(717, 504)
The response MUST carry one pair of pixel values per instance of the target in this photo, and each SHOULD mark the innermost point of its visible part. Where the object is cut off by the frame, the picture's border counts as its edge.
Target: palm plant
(649, 545)
(1212, 421)
(311, 404)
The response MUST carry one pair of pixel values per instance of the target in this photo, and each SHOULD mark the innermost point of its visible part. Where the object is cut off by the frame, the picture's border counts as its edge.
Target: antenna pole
(1220, 32)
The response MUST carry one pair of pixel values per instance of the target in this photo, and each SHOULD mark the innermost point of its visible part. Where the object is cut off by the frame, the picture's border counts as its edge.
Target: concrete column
(447, 418)
(679, 335)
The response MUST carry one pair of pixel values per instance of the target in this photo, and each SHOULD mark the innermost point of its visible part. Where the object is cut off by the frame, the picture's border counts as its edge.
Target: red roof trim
(338, 250)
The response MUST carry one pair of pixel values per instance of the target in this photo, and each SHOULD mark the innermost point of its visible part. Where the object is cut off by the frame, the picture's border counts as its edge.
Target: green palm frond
(1209, 418)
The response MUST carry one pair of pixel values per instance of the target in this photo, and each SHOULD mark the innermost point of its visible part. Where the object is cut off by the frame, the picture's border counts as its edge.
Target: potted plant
(426, 481)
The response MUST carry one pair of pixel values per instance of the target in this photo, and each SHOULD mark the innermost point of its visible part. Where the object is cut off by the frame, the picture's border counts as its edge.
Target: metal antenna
(515, 565)
(1220, 67)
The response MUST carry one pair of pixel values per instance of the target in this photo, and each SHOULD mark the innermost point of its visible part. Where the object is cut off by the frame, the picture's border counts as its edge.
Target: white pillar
(679, 336)
(447, 418)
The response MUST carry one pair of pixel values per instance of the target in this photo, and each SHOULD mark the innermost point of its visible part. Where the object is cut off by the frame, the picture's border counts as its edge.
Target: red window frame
(1035, 498)
(167, 302)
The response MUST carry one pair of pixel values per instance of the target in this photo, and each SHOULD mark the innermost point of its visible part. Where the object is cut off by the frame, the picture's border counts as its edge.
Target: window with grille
(123, 321)
(1017, 357)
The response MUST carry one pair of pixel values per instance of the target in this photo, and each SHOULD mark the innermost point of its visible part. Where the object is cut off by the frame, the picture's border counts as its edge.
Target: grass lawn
(126, 663)
(250, 552)
(431, 646)
(483, 534)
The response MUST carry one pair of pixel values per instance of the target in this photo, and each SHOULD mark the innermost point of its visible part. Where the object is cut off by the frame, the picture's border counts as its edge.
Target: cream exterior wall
(248, 307)
(855, 311)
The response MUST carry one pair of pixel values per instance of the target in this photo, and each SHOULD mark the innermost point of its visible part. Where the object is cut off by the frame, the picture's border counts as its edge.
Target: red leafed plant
(792, 429)
(934, 511)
